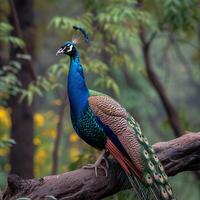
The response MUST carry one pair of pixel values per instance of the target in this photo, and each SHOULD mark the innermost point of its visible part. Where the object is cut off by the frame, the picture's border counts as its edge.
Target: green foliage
(66, 22)
(9, 83)
(6, 143)
(45, 84)
(5, 36)
(181, 14)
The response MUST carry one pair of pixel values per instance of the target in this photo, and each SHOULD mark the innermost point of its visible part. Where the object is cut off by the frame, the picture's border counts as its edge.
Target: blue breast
(83, 120)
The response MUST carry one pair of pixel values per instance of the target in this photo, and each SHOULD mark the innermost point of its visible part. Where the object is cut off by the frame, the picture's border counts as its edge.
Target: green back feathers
(95, 93)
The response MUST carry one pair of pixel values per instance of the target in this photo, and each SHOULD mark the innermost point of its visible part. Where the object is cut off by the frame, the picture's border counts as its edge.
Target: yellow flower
(36, 141)
(4, 117)
(3, 152)
(73, 153)
(40, 156)
(52, 133)
(39, 120)
(73, 137)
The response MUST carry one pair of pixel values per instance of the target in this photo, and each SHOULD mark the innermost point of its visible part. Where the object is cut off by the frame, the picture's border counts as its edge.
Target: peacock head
(69, 48)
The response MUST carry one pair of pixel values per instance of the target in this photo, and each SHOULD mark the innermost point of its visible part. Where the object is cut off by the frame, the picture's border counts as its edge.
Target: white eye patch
(70, 48)
(64, 49)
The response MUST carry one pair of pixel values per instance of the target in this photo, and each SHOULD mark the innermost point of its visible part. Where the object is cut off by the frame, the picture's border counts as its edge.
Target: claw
(96, 167)
(106, 162)
(105, 170)
(98, 164)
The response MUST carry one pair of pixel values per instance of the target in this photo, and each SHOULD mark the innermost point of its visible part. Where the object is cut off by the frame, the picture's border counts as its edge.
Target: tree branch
(178, 155)
(18, 30)
(58, 134)
(169, 108)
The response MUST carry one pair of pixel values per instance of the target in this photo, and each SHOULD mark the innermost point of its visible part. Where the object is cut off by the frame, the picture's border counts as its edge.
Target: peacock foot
(98, 164)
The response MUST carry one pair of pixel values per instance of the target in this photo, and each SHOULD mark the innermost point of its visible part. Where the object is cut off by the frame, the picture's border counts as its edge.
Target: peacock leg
(98, 163)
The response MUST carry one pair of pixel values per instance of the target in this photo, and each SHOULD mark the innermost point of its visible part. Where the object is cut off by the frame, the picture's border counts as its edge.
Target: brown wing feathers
(114, 116)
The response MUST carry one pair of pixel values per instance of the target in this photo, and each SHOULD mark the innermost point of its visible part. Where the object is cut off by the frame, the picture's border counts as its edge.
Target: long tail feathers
(154, 178)
(153, 192)
(152, 183)
(140, 192)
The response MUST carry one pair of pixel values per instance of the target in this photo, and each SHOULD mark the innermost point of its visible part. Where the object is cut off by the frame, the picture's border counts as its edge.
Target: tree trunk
(22, 130)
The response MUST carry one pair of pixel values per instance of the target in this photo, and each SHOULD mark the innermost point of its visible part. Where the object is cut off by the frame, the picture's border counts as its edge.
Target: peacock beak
(61, 50)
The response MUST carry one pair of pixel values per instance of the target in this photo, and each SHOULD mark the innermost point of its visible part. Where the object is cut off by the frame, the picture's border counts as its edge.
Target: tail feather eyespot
(155, 175)
(146, 141)
(140, 138)
(149, 179)
(161, 167)
(151, 166)
(138, 130)
(165, 176)
(169, 190)
(146, 154)
(164, 193)
(155, 158)
(161, 179)
(158, 177)
(151, 150)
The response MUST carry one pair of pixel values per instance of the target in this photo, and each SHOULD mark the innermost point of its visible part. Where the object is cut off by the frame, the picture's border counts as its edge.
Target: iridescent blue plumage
(83, 119)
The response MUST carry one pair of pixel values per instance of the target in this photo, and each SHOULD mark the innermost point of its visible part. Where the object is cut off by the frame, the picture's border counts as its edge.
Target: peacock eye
(69, 47)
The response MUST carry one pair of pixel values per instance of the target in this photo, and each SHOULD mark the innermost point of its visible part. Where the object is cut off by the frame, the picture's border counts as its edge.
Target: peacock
(104, 124)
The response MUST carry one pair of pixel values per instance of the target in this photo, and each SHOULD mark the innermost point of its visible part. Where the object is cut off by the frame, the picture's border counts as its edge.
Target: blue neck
(77, 89)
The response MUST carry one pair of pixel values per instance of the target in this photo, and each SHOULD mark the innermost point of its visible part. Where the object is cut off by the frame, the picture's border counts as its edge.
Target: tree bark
(22, 130)
(178, 155)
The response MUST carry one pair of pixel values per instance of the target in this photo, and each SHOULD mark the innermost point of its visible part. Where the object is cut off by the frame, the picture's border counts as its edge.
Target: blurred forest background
(145, 54)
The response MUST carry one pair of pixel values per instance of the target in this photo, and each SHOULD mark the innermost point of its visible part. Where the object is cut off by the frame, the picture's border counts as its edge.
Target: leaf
(24, 56)
(16, 64)
(23, 96)
(5, 27)
(11, 141)
(29, 97)
(16, 41)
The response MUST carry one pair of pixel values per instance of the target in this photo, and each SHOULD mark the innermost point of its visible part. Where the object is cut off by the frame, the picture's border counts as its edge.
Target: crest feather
(80, 36)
